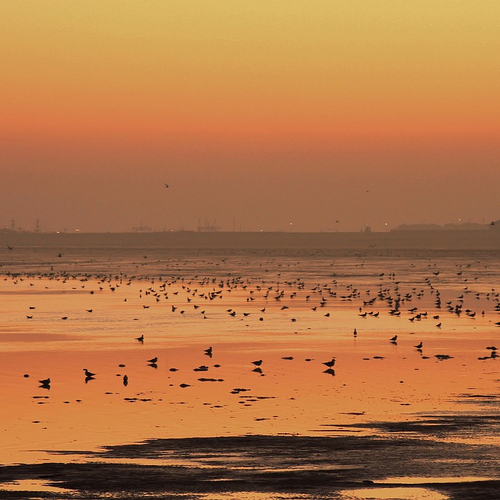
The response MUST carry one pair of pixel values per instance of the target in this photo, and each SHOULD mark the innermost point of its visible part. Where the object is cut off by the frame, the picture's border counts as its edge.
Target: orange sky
(256, 113)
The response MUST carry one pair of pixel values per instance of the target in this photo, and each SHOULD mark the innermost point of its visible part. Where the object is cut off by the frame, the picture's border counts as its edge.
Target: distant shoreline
(394, 240)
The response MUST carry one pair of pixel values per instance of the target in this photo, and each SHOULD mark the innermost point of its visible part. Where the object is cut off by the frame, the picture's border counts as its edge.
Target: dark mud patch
(318, 467)
(465, 426)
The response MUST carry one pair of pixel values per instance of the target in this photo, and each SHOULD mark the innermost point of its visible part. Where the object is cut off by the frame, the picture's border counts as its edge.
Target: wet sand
(422, 423)
(271, 466)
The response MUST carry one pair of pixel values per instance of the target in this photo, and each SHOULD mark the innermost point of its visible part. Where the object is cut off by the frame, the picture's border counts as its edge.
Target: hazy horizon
(273, 116)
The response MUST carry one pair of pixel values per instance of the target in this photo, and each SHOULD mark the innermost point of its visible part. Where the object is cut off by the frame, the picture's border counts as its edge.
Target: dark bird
(419, 346)
(10, 248)
(330, 364)
(208, 352)
(394, 339)
(45, 384)
(153, 360)
(125, 380)
(257, 363)
(166, 185)
(140, 339)
(88, 374)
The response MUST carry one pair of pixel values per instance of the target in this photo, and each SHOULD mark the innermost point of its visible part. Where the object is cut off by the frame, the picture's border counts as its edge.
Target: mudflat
(150, 371)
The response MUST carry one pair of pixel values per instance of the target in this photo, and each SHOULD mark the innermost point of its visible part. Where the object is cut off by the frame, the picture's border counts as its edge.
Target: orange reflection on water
(305, 322)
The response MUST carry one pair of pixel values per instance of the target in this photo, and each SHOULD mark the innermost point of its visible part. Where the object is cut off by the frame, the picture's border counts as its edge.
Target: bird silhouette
(45, 383)
(330, 364)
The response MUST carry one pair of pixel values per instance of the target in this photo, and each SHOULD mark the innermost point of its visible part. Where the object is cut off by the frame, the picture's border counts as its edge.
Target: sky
(272, 115)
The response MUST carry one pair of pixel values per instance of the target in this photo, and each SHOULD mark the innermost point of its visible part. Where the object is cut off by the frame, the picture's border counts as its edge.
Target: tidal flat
(259, 373)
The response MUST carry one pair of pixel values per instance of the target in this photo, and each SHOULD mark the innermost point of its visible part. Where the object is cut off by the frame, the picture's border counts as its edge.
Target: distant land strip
(369, 241)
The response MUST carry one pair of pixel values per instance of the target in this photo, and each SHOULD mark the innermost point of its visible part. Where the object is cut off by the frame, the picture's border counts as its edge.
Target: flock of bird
(197, 294)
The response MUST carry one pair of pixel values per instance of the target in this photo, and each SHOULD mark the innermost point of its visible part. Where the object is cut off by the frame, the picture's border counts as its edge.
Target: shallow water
(130, 293)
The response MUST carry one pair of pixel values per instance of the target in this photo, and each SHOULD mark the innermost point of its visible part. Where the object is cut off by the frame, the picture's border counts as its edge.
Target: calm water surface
(292, 312)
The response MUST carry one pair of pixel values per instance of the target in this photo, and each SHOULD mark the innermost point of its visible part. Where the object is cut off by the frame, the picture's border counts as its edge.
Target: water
(292, 312)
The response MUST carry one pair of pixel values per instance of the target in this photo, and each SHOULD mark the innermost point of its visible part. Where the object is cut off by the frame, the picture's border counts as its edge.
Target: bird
(45, 383)
(330, 364)
(419, 346)
(257, 363)
(125, 380)
(394, 339)
(153, 361)
(166, 185)
(208, 351)
(140, 339)
(88, 374)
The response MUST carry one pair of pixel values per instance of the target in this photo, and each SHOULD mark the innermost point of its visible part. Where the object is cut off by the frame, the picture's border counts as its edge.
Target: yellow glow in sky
(249, 83)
